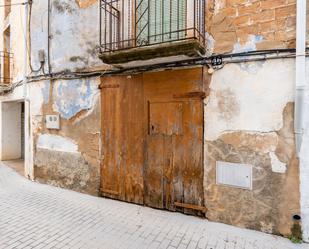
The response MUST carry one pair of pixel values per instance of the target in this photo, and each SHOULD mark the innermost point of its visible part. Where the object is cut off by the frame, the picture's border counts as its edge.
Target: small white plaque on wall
(234, 175)
(52, 122)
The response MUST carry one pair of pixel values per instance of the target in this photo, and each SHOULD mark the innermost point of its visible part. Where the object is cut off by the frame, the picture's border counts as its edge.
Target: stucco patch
(250, 104)
(227, 103)
(45, 91)
(250, 45)
(63, 7)
(252, 68)
(276, 165)
(41, 92)
(262, 142)
(210, 44)
(74, 96)
(56, 143)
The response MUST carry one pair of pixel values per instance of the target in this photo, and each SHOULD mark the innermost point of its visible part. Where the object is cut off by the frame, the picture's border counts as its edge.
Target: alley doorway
(13, 135)
(152, 139)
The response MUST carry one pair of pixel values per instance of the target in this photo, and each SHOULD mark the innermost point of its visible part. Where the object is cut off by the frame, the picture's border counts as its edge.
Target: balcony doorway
(160, 21)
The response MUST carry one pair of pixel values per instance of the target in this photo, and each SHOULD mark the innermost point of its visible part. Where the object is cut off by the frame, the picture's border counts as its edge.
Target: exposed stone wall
(249, 120)
(244, 25)
(69, 157)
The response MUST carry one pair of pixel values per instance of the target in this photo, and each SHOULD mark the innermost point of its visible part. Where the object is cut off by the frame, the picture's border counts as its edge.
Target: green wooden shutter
(155, 21)
(142, 22)
(166, 19)
(177, 19)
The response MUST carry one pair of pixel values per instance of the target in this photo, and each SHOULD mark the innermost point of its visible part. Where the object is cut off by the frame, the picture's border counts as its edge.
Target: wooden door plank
(154, 171)
(123, 136)
(193, 173)
(110, 169)
(133, 141)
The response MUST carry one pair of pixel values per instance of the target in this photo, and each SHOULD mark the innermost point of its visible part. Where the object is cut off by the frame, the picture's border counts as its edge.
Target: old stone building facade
(190, 111)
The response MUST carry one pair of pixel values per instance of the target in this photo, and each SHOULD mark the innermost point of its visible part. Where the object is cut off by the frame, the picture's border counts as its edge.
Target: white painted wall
(57, 143)
(304, 184)
(74, 34)
(249, 97)
(304, 165)
(10, 130)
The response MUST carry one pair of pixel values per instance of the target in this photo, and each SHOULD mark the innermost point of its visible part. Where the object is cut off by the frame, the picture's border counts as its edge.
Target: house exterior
(187, 106)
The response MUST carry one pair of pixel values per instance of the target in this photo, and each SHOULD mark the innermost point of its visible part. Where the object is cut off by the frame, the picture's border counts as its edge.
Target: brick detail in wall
(237, 25)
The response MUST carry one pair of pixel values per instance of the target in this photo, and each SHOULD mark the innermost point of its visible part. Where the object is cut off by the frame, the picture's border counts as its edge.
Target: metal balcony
(145, 29)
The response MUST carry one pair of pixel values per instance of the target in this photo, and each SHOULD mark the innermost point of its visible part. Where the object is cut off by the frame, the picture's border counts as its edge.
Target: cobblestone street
(40, 216)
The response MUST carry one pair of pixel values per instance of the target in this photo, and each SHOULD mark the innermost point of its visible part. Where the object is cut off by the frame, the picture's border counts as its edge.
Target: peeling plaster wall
(249, 120)
(74, 34)
(74, 37)
(69, 157)
(72, 97)
(56, 143)
(231, 107)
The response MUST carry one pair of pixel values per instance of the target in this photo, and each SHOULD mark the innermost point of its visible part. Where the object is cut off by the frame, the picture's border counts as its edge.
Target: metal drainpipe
(300, 73)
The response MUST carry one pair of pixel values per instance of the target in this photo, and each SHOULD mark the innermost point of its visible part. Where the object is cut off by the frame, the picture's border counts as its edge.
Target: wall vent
(234, 175)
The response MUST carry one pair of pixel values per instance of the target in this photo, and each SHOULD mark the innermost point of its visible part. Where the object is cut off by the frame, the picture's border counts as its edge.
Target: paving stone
(33, 215)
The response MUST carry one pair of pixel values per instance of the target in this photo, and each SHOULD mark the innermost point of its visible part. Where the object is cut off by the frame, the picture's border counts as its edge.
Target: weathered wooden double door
(152, 139)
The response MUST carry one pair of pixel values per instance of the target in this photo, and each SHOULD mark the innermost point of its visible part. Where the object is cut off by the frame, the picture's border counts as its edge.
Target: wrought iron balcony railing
(126, 24)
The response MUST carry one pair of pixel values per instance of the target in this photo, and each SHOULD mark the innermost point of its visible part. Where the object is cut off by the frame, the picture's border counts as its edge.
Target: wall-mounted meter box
(234, 175)
(52, 122)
